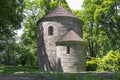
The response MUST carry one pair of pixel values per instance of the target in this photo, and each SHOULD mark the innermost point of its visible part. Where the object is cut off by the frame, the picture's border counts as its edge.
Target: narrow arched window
(68, 49)
(50, 30)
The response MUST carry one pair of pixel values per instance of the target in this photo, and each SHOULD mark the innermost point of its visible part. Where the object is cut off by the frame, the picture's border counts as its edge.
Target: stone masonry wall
(61, 25)
(74, 61)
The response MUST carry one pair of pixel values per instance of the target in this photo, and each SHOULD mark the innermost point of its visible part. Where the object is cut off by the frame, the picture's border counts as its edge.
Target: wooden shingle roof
(60, 11)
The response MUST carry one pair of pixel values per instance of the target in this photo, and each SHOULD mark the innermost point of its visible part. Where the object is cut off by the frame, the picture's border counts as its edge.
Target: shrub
(110, 62)
(92, 64)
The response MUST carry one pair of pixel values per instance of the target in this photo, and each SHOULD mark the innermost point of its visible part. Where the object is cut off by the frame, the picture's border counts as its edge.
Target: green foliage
(59, 76)
(74, 76)
(92, 64)
(9, 56)
(90, 77)
(26, 57)
(116, 76)
(110, 62)
(8, 9)
(10, 20)
(101, 28)
(17, 69)
(32, 72)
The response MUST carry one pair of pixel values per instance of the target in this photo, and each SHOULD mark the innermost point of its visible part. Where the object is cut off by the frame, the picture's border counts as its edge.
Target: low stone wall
(50, 76)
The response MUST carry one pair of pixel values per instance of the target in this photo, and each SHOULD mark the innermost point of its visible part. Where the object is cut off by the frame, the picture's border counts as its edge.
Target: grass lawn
(34, 73)
(18, 69)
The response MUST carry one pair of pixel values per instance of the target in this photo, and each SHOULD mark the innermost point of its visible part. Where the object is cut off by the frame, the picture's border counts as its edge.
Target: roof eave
(71, 43)
(43, 18)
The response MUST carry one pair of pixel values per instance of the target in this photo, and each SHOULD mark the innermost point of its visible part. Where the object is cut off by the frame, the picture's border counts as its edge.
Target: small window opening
(50, 30)
(68, 49)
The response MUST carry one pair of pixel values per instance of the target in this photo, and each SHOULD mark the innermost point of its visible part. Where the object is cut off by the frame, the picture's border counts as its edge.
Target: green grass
(116, 76)
(34, 72)
(75, 76)
(18, 69)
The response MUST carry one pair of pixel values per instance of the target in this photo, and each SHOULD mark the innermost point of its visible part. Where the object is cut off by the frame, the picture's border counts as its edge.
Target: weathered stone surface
(54, 56)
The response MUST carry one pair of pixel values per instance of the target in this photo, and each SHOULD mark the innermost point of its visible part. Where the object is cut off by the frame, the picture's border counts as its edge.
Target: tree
(101, 27)
(10, 20)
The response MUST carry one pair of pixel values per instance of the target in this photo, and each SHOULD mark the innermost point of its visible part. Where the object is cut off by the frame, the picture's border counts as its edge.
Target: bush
(92, 64)
(110, 62)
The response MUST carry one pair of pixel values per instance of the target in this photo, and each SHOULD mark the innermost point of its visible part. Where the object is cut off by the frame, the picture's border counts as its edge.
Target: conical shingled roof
(60, 11)
(71, 36)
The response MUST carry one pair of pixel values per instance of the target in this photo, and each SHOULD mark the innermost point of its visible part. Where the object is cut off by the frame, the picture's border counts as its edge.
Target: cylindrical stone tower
(60, 44)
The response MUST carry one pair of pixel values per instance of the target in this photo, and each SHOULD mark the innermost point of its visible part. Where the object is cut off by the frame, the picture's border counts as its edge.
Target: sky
(73, 4)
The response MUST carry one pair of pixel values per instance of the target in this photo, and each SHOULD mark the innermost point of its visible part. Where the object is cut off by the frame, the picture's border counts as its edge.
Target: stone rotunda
(60, 44)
